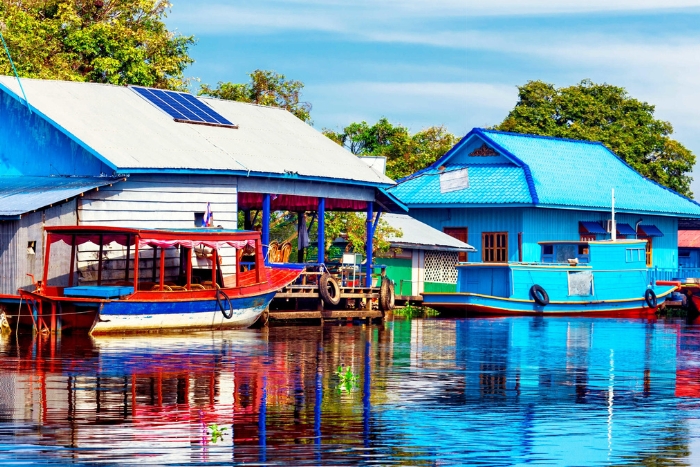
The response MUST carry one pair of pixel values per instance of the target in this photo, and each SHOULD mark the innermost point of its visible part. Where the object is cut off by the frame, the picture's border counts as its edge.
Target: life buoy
(386, 295)
(226, 311)
(328, 289)
(650, 298)
(539, 295)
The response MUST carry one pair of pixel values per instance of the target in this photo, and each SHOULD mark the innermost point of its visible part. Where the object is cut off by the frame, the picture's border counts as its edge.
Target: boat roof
(194, 234)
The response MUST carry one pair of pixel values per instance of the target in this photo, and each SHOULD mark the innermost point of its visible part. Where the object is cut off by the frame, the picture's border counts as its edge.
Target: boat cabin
(125, 261)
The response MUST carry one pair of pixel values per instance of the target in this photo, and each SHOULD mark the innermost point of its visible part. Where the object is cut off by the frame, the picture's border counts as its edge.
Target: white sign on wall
(454, 180)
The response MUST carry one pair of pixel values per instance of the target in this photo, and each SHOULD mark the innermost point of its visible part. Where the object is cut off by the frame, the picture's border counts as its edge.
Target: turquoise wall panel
(31, 146)
(477, 221)
(540, 224)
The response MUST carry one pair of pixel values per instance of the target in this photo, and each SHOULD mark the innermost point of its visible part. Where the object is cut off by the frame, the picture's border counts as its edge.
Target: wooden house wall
(477, 221)
(29, 145)
(540, 224)
(15, 260)
(156, 201)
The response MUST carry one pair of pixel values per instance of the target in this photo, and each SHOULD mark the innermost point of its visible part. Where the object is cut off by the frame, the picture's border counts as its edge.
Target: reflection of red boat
(170, 292)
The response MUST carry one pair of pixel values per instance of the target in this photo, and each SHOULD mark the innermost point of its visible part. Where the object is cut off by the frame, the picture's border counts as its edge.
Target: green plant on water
(411, 311)
(348, 379)
(217, 432)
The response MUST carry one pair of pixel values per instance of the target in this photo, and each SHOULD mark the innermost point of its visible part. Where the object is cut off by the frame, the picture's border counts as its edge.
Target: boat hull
(470, 303)
(148, 316)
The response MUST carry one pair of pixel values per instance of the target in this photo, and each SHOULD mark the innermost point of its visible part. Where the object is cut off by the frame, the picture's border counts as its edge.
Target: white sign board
(454, 180)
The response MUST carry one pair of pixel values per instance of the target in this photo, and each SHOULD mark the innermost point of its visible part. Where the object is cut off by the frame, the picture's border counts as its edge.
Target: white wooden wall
(152, 202)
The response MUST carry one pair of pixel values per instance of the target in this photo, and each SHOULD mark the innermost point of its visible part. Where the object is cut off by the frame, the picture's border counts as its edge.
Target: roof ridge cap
(534, 136)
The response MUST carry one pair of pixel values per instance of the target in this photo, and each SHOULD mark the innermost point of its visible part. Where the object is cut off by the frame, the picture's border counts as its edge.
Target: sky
(455, 63)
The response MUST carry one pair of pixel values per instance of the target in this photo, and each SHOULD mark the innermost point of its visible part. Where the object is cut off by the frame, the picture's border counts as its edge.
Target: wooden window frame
(649, 249)
(462, 258)
(494, 253)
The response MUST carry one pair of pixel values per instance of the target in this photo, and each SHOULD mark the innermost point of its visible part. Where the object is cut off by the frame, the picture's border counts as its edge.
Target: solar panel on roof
(183, 107)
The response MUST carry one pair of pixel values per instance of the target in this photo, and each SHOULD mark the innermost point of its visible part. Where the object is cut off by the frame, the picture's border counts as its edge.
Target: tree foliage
(265, 88)
(405, 153)
(105, 41)
(605, 113)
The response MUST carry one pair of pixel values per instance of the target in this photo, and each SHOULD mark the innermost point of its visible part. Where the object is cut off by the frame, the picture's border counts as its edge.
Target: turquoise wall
(31, 146)
(541, 224)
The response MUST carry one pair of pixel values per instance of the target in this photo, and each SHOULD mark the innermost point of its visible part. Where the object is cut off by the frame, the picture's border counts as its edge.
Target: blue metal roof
(593, 227)
(560, 173)
(19, 195)
(488, 184)
(625, 229)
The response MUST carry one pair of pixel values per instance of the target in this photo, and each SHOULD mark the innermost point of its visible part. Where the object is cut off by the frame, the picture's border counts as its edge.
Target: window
(633, 255)
(31, 247)
(648, 248)
(461, 234)
(199, 219)
(494, 247)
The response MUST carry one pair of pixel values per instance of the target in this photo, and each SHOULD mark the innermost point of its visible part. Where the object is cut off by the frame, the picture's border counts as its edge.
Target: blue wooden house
(176, 157)
(505, 192)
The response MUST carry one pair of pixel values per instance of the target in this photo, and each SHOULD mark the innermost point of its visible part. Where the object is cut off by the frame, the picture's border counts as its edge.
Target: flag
(208, 217)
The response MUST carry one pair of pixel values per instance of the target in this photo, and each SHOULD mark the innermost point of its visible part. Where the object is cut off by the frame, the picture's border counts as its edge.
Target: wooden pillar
(153, 268)
(72, 261)
(162, 268)
(99, 261)
(188, 268)
(45, 277)
(136, 263)
(214, 262)
(128, 253)
(321, 230)
(369, 246)
(265, 224)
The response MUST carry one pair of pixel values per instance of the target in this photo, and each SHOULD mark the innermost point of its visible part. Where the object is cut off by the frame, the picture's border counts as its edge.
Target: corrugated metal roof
(488, 184)
(131, 135)
(689, 238)
(19, 195)
(419, 235)
(558, 173)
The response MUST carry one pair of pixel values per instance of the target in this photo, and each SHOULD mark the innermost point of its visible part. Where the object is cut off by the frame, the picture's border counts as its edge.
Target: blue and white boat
(573, 277)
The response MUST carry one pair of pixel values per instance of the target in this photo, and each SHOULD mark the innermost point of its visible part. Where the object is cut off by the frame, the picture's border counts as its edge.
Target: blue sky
(452, 62)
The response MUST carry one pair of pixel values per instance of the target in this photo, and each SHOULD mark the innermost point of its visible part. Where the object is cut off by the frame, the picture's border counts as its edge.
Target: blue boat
(573, 277)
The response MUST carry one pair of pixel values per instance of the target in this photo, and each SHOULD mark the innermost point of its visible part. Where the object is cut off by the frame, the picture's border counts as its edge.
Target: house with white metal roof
(506, 192)
(177, 156)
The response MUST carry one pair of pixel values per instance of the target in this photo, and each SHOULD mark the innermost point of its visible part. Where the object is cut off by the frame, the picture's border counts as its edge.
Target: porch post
(321, 230)
(369, 246)
(265, 224)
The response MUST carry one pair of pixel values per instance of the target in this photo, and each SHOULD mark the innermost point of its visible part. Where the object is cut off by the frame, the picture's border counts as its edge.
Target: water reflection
(429, 392)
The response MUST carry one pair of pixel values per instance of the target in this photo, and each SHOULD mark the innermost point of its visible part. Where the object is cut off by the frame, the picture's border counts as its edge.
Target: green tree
(405, 153)
(265, 88)
(605, 113)
(105, 41)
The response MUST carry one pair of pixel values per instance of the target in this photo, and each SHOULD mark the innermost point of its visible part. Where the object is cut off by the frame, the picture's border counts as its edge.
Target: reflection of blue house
(505, 192)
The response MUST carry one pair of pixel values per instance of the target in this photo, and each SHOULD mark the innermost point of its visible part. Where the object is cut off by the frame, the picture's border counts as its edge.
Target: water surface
(554, 391)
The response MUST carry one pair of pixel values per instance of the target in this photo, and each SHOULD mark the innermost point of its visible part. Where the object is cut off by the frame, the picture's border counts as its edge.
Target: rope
(26, 101)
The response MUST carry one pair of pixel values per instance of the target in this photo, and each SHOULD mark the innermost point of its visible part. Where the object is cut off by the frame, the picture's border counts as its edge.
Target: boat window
(633, 255)
(580, 283)
(547, 253)
(198, 219)
(566, 252)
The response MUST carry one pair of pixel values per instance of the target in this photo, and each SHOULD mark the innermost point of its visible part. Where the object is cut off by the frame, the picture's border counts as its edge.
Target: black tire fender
(386, 295)
(328, 289)
(650, 298)
(226, 311)
(539, 295)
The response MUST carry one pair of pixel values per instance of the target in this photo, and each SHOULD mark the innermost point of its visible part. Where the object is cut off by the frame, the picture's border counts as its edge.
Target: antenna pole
(613, 230)
(4, 44)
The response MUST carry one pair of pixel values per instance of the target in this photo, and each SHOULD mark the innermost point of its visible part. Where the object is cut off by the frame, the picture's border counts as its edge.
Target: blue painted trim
(368, 243)
(11, 218)
(266, 225)
(70, 135)
(244, 173)
(468, 206)
(321, 230)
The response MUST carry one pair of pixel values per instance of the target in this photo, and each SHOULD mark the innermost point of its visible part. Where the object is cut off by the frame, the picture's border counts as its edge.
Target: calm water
(553, 391)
